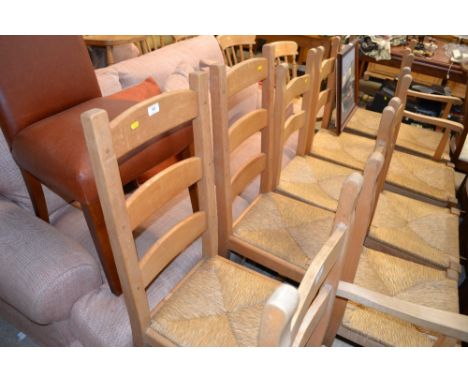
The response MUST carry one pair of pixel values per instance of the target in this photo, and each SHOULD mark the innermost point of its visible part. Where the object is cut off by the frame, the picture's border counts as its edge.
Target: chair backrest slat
(247, 173)
(328, 66)
(314, 317)
(293, 123)
(246, 74)
(170, 245)
(296, 88)
(158, 190)
(151, 118)
(246, 126)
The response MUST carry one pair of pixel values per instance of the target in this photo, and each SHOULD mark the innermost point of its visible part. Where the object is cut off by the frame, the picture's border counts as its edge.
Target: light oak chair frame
(286, 52)
(108, 141)
(301, 317)
(290, 317)
(233, 47)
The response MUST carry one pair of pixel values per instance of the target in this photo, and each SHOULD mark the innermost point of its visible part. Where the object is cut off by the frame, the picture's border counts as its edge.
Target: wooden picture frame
(347, 79)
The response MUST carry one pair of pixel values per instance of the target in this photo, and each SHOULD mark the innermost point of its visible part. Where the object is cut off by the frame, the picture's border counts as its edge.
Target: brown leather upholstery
(46, 82)
(41, 76)
(54, 150)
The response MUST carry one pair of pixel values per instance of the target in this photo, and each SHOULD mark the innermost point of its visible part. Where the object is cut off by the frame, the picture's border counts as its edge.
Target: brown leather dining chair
(46, 82)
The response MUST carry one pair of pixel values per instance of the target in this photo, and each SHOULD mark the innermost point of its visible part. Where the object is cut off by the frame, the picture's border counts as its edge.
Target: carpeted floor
(9, 336)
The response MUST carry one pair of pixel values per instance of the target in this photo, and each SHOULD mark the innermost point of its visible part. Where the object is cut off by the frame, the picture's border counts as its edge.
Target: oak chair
(389, 301)
(411, 138)
(414, 176)
(218, 303)
(286, 52)
(402, 226)
(276, 231)
(233, 47)
(328, 75)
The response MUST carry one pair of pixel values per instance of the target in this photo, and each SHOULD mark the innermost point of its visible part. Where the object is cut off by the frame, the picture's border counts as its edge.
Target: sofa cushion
(179, 78)
(108, 80)
(144, 90)
(12, 185)
(42, 272)
(161, 63)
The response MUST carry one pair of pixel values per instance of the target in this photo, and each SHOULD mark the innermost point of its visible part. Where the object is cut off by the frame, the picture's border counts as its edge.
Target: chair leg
(95, 220)
(193, 190)
(36, 193)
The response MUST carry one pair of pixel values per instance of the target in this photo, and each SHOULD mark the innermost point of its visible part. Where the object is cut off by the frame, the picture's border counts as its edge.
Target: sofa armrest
(42, 272)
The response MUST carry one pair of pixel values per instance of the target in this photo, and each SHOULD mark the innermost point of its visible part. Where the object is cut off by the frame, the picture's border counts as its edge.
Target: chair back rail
(233, 47)
(228, 138)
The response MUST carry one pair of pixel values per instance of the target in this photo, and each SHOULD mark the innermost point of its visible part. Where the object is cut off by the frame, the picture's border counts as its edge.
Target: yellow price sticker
(260, 68)
(135, 125)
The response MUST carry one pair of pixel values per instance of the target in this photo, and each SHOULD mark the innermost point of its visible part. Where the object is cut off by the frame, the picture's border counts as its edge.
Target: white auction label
(153, 109)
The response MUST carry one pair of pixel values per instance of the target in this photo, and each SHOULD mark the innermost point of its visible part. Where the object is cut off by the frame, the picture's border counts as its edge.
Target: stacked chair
(319, 248)
(233, 47)
(411, 175)
(219, 303)
(412, 139)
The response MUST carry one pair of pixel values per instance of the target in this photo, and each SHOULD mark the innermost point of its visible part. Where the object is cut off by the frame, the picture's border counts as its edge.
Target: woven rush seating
(402, 226)
(428, 233)
(420, 230)
(288, 229)
(313, 181)
(417, 176)
(405, 280)
(412, 139)
(218, 304)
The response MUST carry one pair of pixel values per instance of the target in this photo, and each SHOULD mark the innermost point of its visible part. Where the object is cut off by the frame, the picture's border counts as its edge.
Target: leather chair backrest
(41, 76)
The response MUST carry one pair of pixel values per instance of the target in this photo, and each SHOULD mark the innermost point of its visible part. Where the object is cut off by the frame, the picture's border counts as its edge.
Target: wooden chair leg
(97, 227)
(193, 190)
(36, 193)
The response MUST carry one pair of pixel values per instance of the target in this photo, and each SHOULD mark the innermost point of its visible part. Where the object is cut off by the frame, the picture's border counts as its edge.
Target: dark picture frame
(347, 79)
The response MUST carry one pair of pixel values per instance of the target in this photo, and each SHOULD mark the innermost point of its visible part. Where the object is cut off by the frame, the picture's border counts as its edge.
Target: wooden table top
(111, 40)
(438, 65)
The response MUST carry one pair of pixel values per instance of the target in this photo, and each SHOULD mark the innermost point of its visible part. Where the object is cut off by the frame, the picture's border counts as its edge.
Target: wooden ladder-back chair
(414, 176)
(275, 231)
(328, 73)
(411, 138)
(286, 52)
(233, 47)
(393, 301)
(218, 303)
(402, 226)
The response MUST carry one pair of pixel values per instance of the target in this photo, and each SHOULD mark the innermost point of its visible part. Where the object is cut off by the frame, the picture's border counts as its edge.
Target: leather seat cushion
(54, 150)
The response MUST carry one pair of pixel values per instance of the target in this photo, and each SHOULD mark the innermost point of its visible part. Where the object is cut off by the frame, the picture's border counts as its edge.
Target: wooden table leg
(109, 55)
(95, 220)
